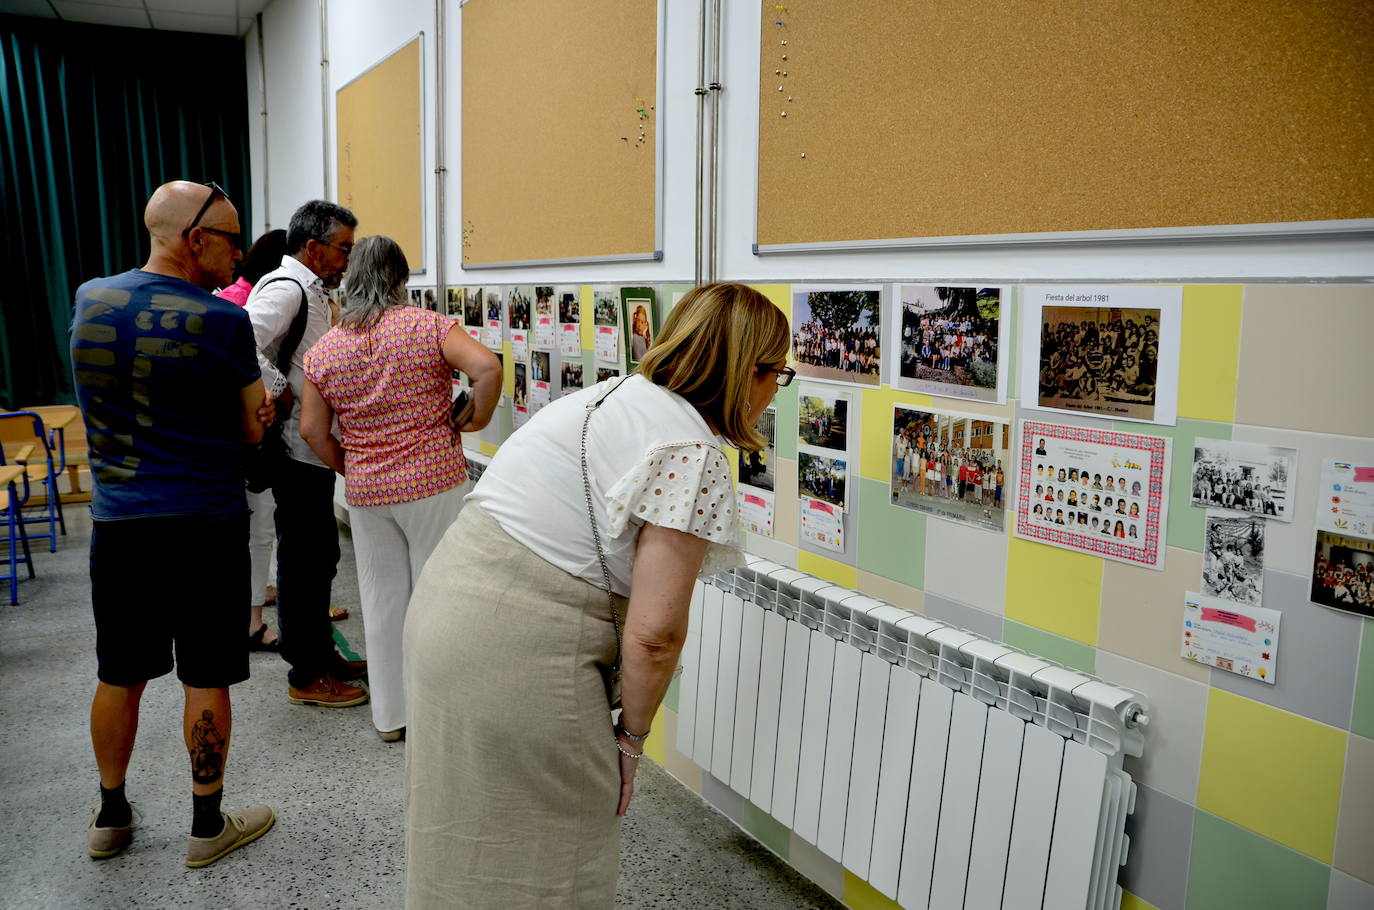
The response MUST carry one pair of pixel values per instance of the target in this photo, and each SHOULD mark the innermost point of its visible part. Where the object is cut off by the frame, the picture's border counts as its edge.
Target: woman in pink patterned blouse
(385, 372)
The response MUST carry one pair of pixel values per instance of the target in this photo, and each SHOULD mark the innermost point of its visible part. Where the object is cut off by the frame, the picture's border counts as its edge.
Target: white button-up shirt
(271, 307)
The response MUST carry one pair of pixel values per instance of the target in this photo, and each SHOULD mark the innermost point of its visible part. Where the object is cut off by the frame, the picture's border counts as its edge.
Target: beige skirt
(512, 774)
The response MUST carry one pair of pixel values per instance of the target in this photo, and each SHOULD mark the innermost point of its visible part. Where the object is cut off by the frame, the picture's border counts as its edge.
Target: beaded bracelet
(632, 737)
(623, 751)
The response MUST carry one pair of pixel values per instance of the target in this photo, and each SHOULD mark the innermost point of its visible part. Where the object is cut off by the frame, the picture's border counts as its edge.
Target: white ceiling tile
(199, 7)
(99, 14)
(27, 8)
(194, 22)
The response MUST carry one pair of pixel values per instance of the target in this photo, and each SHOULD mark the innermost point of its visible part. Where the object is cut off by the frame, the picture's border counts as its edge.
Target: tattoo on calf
(207, 750)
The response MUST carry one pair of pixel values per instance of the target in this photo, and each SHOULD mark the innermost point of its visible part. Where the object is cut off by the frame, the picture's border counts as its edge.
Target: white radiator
(948, 771)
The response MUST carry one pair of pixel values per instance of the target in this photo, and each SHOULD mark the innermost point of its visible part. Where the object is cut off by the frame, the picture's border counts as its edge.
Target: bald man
(169, 387)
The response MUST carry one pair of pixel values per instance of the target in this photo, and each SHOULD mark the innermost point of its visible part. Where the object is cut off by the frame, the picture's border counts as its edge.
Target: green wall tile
(892, 540)
(1186, 523)
(769, 831)
(785, 402)
(1050, 646)
(1362, 722)
(1011, 328)
(1232, 867)
(670, 697)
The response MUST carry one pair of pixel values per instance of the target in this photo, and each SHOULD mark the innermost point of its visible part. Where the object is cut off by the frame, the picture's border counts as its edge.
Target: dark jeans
(307, 560)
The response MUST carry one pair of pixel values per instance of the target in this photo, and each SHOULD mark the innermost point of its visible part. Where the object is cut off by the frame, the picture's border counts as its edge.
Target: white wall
(362, 32)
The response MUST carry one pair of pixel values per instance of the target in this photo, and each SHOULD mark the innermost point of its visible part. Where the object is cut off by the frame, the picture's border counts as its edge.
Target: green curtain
(92, 120)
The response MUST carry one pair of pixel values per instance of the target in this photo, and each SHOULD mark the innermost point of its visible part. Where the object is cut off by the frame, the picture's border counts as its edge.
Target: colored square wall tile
(1161, 833)
(1056, 590)
(1362, 718)
(1349, 893)
(588, 326)
(1318, 652)
(875, 438)
(1178, 717)
(892, 540)
(979, 622)
(785, 428)
(718, 793)
(686, 771)
(770, 832)
(1209, 351)
(885, 589)
(674, 691)
(1130, 901)
(1011, 328)
(1289, 545)
(829, 569)
(1049, 646)
(773, 548)
(860, 895)
(1355, 832)
(966, 564)
(1275, 773)
(1329, 344)
(654, 745)
(488, 448)
(1185, 526)
(815, 865)
(1232, 867)
(1142, 611)
(779, 294)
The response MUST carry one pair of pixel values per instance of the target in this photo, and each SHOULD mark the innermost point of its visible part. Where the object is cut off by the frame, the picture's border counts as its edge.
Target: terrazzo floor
(338, 841)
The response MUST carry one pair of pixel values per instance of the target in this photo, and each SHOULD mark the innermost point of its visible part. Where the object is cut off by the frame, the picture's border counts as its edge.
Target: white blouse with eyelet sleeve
(651, 459)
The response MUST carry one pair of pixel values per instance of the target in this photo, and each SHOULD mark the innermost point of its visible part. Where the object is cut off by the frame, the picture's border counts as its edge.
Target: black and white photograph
(1108, 351)
(540, 370)
(519, 306)
(454, 305)
(1244, 477)
(823, 419)
(570, 376)
(1233, 557)
(837, 333)
(1343, 573)
(951, 341)
(952, 466)
(756, 468)
(472, 308)
(569, 307)
(823, 478)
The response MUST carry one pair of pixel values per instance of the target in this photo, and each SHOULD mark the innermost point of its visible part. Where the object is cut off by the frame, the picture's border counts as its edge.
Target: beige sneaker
(239, 828)
(102, 843)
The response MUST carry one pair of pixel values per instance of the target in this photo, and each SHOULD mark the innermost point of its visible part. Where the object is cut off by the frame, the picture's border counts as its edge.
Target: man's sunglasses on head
(216, 192)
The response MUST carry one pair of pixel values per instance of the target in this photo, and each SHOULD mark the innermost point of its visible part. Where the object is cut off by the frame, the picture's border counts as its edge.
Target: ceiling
(214, 17)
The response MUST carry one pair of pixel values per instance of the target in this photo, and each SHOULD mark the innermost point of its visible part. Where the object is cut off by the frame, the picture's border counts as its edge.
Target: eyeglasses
(785, 374)
(216, 192)
(346, 250)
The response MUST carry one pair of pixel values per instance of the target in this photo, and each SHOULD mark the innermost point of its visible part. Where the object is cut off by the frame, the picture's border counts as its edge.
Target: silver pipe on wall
(701, 132)
(266, 148)
(324, 92)
(715, 135)
(440, 169)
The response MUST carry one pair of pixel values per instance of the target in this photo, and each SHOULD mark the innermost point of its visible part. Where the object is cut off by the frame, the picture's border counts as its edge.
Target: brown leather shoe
(327, 692)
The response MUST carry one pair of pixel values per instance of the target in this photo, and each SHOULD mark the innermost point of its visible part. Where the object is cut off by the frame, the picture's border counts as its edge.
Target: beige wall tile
(893, 592)
(1142, 611)
(1172, 758)
(1304, 358)
(677, 764)
(1355, 831)
(967, 564)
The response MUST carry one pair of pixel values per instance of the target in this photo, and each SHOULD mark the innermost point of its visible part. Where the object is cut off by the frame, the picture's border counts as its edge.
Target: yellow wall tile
(508, 370)
(588, 335)
(1130, 902)
(860, 895)
(487, 448)
(677, 764)
(654, 745)
(828, 569)
(780, 294)
(1210, 351)
(1057, 590)
(1273, 772)
(875, 436)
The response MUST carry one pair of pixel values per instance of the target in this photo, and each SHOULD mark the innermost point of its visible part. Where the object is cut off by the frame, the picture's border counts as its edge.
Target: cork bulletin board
(958, 120)
(560, 149)
(380, 150)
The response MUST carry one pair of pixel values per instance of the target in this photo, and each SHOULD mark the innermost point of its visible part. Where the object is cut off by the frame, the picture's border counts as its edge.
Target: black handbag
(263, 462)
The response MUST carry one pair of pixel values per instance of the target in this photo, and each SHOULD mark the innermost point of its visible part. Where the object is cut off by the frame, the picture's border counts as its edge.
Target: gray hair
(316, 220)
(377, 275)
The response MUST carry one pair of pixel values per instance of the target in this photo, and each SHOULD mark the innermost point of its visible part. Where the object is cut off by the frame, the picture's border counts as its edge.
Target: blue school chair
(24, 441)
(10, 477)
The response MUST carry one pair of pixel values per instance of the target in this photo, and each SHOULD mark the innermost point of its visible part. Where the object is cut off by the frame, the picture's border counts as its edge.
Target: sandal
(337, 614)
(256, 643)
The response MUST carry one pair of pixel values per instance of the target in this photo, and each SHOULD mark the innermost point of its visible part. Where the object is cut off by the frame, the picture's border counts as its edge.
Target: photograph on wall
(823, 418)
(1100, 492)
(1244, 477)
(604, 373)
(837, 333)
(569, 304)
(756, 468)
(570, 376)
(1105, 351)
(416, 297)
(473, 314)
(822, 477)
(756, 511)
(952, 466)
(637, 312)
(494, 328)
(1233, 557)
(521, 393)
(950, 341)
(545, 333)
(454, 306)
(518, 306)
(606, 323)
(1237, 638)
(821, 524)
(1343, 572)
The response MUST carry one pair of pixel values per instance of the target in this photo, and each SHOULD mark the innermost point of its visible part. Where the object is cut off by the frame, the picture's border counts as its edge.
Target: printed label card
(474, 332)
(1343, 551)
(1237, 638)
(519, 344)
(822, 524)
(756, 512)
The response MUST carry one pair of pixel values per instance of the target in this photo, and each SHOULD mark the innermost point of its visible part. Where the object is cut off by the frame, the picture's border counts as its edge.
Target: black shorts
(171, 584)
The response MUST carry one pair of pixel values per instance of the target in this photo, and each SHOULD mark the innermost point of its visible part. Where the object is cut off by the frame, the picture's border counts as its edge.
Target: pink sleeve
(442, 325)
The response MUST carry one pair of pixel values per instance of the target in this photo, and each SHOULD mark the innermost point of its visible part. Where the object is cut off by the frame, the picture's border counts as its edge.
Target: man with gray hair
(289, 309)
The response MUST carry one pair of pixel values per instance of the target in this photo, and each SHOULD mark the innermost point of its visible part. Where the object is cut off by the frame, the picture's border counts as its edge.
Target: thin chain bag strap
(596, 539)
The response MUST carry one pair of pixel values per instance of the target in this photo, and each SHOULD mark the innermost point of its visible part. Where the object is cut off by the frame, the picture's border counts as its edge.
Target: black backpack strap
(295, 332)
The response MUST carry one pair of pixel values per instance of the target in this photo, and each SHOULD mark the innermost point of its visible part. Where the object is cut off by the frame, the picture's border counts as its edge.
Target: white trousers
(262, 534)
(392, 544)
